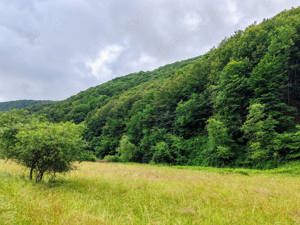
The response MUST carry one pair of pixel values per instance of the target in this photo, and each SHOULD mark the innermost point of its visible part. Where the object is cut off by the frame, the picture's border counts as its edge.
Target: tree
(162, 153)
(287, 145)
(10, 124)
(191, 115)
(219, 151)
(270, 78)
(232, 96)
(126, 149)
(259, 129)
(141, 120)
(150, 138)
(171, 150)
(104, 145)
(45, 147)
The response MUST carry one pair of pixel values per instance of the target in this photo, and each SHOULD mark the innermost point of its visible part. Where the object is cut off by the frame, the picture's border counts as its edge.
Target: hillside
(21, 104)
(77, 107)
(236, 105)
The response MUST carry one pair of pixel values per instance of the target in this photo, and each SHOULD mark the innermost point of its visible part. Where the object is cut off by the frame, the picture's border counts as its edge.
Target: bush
(112, 158)
(87, 156)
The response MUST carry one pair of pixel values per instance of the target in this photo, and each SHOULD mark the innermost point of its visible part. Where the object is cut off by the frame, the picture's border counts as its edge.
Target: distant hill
(21, 104)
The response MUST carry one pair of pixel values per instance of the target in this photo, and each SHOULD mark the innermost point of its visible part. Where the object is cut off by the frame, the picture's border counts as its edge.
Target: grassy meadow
(108, 193)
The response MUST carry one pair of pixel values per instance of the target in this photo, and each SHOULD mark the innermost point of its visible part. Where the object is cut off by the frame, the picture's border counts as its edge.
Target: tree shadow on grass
(81, 186)
(65, 184)
(5, 175)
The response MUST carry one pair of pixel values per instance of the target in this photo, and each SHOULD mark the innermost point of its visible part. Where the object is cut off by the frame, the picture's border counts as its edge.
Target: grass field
(106, 193)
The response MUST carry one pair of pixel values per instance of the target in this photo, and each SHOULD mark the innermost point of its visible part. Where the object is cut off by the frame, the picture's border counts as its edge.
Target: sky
(52, 49)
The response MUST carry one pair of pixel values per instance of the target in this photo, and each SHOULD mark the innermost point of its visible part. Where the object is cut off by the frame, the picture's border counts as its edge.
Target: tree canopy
(41, 146)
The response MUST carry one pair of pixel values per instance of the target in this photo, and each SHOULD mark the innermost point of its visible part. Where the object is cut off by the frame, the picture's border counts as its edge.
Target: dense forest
(22, 104)
(237, 105)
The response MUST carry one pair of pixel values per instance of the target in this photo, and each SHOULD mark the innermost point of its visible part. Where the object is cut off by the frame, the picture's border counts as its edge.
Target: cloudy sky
(51, 49)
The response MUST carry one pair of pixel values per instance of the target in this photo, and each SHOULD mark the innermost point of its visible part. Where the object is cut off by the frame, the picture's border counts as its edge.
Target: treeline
(237, 105)
(22, 104)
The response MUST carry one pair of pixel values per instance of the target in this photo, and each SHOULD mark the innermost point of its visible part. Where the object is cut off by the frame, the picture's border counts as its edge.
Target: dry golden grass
(107, 193)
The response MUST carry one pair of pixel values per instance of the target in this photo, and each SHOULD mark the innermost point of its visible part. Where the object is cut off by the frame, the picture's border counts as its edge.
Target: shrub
(112, 158)
(87, 156)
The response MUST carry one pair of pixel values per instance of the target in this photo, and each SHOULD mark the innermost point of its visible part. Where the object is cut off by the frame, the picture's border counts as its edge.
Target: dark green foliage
(112, 158)
(192, 115)
(287, 145)
(126, 149)
(219, 150)
(104, 146)
(270, 78)
(162, 153)
(259, 129)
(87, 156)
(236, 105)
(10, 124)
(149, 140)
(23, 104)
(232, 95)
(171, 151)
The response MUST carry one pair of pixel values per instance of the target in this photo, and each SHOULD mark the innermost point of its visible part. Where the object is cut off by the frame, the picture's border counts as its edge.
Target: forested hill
(77, 107)
(21, 104)
(236, 105)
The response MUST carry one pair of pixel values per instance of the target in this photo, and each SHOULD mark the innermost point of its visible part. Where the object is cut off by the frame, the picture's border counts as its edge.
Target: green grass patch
(116, 193)
(292, 168)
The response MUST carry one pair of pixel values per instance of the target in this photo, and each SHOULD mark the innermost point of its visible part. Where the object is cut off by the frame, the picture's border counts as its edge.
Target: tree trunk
(39, 176)
(31, 173)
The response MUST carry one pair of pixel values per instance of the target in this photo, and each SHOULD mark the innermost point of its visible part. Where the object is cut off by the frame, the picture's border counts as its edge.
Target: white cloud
(68, 46)
(234, 14)
(144, 61)
(192, 21)
(100, 67)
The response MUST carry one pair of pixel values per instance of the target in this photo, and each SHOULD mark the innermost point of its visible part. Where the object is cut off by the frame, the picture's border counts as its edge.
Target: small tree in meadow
(43, 147)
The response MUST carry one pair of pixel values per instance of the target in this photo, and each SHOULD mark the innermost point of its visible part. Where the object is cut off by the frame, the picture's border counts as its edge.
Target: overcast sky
(51, 49)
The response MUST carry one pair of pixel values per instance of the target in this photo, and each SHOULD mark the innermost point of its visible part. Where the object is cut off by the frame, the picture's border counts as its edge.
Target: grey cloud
(51, 49)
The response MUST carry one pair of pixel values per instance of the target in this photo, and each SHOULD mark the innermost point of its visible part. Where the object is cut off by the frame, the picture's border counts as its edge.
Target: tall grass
(106, 193)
